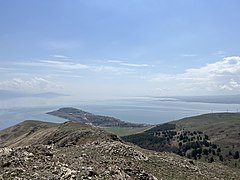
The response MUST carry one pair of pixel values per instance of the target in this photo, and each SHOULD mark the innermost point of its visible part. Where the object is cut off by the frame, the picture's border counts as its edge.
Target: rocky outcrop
(46, 162)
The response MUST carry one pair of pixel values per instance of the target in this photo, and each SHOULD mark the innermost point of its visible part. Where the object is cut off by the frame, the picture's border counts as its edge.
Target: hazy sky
(96, 49)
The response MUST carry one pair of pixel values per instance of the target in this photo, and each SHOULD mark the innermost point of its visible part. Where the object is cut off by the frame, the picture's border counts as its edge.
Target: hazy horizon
(96, 50)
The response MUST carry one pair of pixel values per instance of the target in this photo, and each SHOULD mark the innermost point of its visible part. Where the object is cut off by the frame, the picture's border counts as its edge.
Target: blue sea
(149, 111)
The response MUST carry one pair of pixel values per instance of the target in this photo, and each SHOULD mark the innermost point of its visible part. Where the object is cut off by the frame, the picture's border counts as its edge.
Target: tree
(236, 155)
(206, 143)
(199, 150)
(181, 137)
(180, 153)
(221, 158)
(214, 146)
(199, 156)
(206, 137)
(194, 153)
(205, 151)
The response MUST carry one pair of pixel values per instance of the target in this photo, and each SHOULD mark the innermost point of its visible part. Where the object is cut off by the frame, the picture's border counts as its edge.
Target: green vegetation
(162, 127)
(209, 138)
(223, 129)
(126, 131)
(156, 138)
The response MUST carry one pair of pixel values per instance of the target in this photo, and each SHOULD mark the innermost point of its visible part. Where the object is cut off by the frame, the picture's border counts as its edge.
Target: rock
(34, 167)
(191, 162)
(6, 164)
(92, 173)
(5, 151)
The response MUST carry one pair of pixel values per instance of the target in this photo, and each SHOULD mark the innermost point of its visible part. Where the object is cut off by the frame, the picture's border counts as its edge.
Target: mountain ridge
(74, 150)
(11, 94)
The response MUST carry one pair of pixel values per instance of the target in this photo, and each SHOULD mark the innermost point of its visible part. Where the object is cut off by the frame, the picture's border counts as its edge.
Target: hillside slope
(208, 137)
(77, 151)
(25, 133)
(221, 127)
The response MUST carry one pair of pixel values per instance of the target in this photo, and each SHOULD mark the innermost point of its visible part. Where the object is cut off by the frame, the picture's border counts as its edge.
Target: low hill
(221, 127)
(209, 137)
(77, 115)
(17, 134)
(71, 150)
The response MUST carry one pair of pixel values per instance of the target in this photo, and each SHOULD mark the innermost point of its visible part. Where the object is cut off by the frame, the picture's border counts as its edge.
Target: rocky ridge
(77, 151)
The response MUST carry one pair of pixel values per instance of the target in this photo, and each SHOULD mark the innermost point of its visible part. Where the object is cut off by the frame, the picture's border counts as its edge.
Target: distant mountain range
(224, 99)
(77, 115)
(8, 94)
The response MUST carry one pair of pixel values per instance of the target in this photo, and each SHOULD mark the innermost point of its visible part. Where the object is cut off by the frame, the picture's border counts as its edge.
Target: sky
(91, 49)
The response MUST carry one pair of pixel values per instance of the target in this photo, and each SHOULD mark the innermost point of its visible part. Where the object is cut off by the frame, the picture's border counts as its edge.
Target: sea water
(133, 110)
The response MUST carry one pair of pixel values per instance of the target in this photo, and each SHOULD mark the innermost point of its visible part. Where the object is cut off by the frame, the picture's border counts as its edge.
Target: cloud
(121, 63)
(59, 64)
(234, 84)
(225, 87)
(231, 85)
(189, 55)
(105, 69)
(4, 69)
(78, 66)
(220, 77)
(114, 61)
(228, 66)
(29, 84)
(56, 64)
(63, 65)
(59, 56)
(70, 68)
(135, 65)
(119, 67)
(112, 69)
